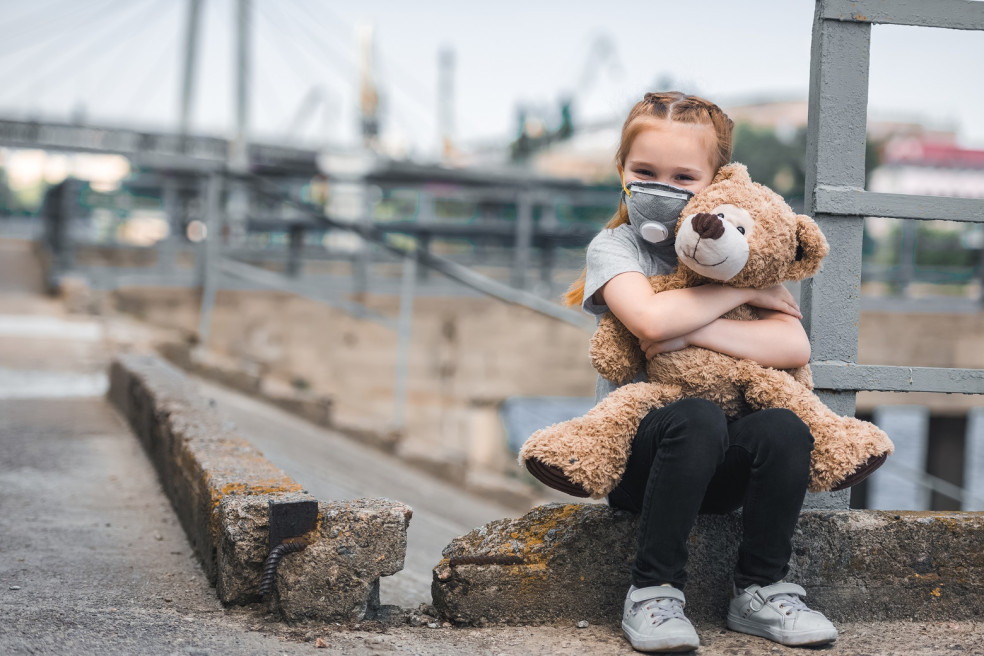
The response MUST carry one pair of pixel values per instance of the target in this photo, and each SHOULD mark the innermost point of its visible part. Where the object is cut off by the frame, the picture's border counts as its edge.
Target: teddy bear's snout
(707, 225)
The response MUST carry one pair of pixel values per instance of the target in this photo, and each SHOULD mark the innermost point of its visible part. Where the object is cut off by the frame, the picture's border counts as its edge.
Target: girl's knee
(701, 427)
(784, 430)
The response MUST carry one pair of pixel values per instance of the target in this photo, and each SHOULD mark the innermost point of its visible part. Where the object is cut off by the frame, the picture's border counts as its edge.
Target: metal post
(445, 102)
(211, 253)
(907, 256)
(360, 265)
(524, 239)
(295, 246)
(188, 80)
(831, 301)
(166, 250)
(407, 291)
(238, 197)
(974, 459)
(425, 214)
(890, 488)
(548, 220)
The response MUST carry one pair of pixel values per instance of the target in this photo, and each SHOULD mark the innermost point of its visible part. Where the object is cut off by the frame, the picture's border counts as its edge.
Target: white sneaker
(653, 620)
(777, 612)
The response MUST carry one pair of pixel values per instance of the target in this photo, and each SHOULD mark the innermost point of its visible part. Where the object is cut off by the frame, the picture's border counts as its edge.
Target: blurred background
(376, 205)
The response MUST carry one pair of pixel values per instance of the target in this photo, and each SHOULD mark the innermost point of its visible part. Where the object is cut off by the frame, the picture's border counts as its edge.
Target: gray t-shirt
(617, 251)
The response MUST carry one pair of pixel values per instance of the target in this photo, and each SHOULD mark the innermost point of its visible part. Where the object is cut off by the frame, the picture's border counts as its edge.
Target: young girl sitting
(686, 457)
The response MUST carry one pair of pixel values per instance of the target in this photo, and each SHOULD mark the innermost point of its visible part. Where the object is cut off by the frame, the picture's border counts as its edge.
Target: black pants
(687, 459)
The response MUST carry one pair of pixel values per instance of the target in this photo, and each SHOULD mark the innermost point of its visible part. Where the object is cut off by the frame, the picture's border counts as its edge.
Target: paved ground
(93, 560)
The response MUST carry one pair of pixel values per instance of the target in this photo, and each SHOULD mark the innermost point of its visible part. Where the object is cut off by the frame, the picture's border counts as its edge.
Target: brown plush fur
(592, 450)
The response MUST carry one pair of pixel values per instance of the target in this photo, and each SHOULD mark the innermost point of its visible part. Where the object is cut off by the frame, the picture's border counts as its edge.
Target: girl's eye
(685, 178)
(645, 172)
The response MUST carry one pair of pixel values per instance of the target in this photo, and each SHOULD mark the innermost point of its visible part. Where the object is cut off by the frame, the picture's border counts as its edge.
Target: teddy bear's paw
(861, 473)
(580, 453)
(847, 452)
(554, 477)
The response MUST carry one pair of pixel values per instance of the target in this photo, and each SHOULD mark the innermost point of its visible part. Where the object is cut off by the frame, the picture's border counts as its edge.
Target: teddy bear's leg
(586, 456)
(845, 449)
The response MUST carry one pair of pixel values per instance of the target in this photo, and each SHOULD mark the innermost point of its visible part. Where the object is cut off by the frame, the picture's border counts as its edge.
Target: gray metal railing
(835, 180)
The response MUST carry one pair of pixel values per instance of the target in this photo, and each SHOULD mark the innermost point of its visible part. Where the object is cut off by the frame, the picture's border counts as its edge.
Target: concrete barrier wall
(221, 488)
(855, 566)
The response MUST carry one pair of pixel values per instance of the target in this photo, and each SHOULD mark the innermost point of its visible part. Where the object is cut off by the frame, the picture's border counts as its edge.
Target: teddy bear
(743, 234)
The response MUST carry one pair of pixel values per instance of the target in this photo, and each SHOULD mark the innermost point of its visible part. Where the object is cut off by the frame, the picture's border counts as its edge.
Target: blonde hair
(666, 106)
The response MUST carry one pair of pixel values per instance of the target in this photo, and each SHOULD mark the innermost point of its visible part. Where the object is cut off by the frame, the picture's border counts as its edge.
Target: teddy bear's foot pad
(862, 472)
(553, 477)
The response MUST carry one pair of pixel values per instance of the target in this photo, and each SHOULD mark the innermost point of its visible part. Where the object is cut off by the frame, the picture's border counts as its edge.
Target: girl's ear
(811, 248)
(734, 171)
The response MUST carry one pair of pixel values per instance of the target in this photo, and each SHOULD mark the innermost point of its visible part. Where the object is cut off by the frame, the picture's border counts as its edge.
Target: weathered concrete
(855, 566)
(221, 488)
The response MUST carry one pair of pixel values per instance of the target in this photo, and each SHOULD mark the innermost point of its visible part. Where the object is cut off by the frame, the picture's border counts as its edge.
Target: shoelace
(662, 610)
(791, 603)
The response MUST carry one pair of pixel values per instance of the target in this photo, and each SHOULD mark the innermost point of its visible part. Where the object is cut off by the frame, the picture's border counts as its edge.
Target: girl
(686, 457)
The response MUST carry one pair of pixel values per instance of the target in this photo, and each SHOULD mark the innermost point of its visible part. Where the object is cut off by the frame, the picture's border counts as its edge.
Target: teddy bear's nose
(708, 226)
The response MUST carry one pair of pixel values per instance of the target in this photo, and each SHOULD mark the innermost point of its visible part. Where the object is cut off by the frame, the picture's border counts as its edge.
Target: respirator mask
(654, 208)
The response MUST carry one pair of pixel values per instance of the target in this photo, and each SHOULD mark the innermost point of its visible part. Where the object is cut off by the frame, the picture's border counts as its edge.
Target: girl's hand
(775, 298)
(653, 348)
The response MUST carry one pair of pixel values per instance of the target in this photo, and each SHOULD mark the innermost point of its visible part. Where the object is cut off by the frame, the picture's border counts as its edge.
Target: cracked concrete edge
(857, 565)
(221, 487)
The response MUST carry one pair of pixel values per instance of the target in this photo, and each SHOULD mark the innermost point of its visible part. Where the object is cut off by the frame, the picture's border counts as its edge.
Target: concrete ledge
(855, 565)
(221, 488)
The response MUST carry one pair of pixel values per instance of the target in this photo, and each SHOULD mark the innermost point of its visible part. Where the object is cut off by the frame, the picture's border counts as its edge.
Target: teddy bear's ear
(734, 171)
(811, 247)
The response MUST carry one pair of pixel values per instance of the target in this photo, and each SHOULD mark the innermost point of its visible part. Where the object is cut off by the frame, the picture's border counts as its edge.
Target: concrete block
(855, 566)
(221, 488)
(337, 576)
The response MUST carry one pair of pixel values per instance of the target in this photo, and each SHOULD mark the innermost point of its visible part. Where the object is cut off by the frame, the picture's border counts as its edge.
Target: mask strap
(624, 188)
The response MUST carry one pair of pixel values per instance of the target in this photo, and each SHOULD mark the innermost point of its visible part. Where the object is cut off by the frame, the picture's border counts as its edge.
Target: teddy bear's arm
(615, 352)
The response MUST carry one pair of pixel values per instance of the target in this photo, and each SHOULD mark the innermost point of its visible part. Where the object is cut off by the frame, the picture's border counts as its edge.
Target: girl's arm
(679, 312)
(775, 340)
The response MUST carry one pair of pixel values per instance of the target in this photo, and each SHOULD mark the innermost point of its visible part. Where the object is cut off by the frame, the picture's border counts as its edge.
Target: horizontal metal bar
(881, 378)
(951, 14)
(841, 201)
(282, 283)
(503, 292)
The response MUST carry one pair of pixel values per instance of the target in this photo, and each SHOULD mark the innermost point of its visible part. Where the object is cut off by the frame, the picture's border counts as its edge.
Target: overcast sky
(119, 61)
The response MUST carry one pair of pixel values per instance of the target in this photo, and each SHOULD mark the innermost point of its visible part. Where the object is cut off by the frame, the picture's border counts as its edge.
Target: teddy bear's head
(742, 233)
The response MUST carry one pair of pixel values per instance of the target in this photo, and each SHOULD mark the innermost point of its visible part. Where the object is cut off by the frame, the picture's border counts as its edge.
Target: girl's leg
(766, 470)
(674, 456)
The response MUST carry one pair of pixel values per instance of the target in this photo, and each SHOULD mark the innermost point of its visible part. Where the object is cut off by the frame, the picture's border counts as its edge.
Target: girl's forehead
(696, 141)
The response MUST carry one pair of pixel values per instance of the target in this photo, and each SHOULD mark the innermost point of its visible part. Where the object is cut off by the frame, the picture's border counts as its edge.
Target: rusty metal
(291, 519)
(273, 560)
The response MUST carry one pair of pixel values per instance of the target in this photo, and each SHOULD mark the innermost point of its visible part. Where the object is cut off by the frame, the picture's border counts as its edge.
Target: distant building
(931, 167)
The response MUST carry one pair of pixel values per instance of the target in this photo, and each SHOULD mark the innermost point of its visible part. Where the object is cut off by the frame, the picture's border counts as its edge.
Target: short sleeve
(610, 253)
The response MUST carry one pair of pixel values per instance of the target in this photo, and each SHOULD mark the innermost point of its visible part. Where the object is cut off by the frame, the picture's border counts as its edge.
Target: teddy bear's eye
(720, 215)
(741, 230)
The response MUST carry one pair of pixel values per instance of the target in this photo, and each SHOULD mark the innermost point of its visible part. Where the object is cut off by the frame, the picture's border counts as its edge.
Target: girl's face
(679, 154)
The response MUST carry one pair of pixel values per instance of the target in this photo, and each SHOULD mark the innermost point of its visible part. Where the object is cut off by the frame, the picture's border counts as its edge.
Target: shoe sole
(669, 644)
(803, 639)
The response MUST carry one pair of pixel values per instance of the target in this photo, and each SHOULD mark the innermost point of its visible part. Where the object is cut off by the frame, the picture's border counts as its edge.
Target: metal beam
(952, 14)
(880, 378)
(845, 201)
(835, 157)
